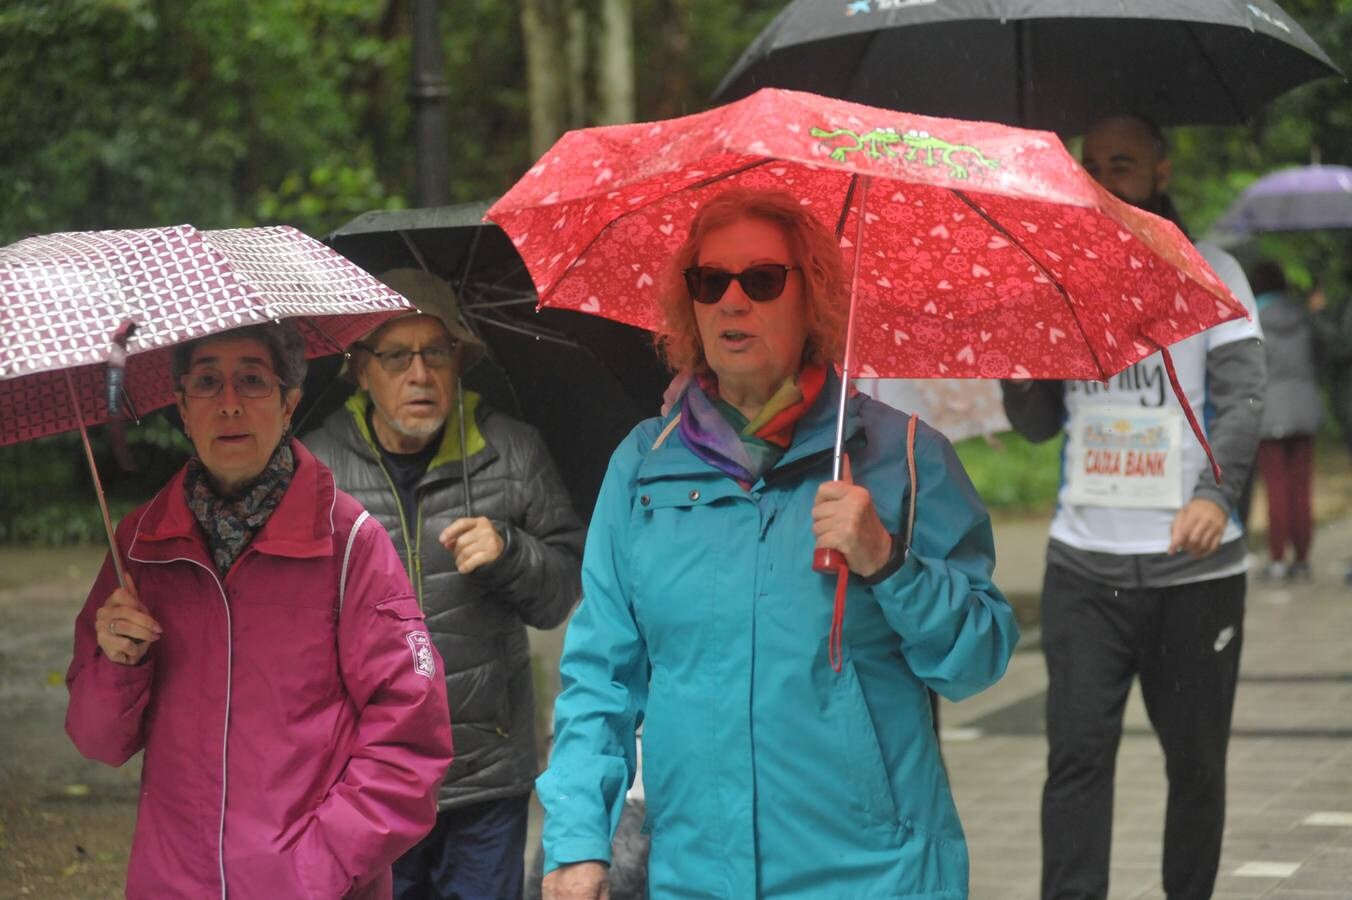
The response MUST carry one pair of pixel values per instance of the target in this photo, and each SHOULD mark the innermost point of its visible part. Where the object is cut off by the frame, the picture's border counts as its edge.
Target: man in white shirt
(1145, 566)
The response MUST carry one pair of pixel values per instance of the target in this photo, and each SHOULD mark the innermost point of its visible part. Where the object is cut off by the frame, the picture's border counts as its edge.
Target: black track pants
(1184, 643)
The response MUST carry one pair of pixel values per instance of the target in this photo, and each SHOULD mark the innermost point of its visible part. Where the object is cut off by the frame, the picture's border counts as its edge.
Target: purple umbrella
(1299, 199)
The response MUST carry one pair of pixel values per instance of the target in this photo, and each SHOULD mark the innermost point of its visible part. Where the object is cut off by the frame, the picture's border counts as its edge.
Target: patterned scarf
(230, 523)
(746, 449)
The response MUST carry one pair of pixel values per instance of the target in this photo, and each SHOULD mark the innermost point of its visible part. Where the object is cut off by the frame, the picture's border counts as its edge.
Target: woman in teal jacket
(767, 772)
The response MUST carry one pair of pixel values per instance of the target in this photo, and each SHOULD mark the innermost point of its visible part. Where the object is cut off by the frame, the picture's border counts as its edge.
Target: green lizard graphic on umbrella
(881, 143)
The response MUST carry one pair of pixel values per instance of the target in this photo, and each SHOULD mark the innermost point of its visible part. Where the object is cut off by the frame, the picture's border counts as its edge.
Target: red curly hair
(813, 248)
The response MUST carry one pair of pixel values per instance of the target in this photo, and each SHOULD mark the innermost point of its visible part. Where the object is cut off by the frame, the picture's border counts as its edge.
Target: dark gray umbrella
(583, 381)
(1053, 64)
(1305, 198)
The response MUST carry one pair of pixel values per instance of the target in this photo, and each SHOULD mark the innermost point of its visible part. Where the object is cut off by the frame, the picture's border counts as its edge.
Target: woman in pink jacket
(266, 652)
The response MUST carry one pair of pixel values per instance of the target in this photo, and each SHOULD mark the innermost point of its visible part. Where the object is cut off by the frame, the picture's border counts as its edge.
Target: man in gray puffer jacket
(482, 520)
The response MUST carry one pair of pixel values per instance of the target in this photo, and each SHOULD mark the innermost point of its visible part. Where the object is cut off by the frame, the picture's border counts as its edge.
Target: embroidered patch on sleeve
(424, 663)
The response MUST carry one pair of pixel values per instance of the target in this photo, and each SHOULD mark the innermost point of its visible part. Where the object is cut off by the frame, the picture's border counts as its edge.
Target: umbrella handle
(827, 561)
(98, 484)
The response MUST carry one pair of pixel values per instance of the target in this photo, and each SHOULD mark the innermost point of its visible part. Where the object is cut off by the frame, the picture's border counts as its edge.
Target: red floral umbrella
(979, 250)
(79, 307)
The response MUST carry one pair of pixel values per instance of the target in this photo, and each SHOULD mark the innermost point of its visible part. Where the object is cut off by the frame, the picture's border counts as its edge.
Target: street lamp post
(427, 92)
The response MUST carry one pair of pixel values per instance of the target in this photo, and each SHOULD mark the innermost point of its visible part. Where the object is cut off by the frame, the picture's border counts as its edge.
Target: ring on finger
(112, 627)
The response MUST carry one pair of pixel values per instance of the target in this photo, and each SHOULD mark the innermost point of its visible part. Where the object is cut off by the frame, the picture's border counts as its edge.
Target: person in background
(1332, 326)
(1292, 410)
(766, 773)
(1154, 591)
(484, 526)
(266, 652)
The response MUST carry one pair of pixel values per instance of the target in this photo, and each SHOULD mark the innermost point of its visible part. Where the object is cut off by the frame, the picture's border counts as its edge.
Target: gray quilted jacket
(477, 621)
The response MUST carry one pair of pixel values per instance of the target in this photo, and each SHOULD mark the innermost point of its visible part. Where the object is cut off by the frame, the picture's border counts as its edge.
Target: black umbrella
(1053, 64)
(582, 380)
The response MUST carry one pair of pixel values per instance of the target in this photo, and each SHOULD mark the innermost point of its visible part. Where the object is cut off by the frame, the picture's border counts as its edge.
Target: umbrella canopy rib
(1052, 279)
(637, 208)
(1240, 113)
(413, 250)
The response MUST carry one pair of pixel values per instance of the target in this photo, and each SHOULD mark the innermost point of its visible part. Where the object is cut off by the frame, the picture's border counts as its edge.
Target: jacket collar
(815, 434)
(301, 526)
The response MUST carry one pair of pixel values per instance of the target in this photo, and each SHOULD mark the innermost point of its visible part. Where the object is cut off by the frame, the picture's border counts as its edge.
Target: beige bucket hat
(432, 296)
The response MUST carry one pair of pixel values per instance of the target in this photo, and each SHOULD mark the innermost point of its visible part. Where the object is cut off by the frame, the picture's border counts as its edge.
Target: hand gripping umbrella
(977, 250)
(90, 318)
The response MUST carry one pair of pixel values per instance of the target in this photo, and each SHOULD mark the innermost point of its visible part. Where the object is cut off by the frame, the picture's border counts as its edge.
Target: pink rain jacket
(294, 744)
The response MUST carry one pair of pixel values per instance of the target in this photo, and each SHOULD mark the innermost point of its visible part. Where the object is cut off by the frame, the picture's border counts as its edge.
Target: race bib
(1126, 457)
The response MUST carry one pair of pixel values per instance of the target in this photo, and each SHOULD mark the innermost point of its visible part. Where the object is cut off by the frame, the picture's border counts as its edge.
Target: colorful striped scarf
(745, 448)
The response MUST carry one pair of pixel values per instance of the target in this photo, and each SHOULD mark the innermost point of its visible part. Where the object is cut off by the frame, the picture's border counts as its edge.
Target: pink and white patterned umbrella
(65, 295)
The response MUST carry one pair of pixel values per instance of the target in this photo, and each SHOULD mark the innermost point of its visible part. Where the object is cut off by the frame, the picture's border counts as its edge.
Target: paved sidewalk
(1289, 822)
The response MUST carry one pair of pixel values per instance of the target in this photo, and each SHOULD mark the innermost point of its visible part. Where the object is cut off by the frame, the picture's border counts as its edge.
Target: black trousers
(474, 852)
(1184, 644)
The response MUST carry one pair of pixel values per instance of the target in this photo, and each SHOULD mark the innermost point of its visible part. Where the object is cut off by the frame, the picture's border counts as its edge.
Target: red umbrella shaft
(98, 484)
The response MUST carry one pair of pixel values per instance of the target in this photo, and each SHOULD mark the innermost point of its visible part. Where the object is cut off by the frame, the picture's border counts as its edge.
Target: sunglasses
(760, 283)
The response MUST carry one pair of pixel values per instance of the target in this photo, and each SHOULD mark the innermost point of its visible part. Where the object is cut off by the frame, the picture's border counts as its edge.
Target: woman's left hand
(843, 518)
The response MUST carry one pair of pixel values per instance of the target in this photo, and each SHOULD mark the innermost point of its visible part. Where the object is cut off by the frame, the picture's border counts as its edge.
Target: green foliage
(1012, 475)
(47, 495)
(130, 113)
(1311, 124)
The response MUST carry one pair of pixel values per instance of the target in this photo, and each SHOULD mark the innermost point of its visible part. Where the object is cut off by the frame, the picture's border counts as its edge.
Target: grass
(1013, 477)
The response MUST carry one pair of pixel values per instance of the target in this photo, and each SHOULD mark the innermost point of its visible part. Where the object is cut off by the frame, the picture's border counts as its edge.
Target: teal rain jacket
(766, 773)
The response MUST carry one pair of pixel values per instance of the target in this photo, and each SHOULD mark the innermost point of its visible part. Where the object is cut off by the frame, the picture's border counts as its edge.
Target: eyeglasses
(396, 361)
(208, 383)
(760, 283)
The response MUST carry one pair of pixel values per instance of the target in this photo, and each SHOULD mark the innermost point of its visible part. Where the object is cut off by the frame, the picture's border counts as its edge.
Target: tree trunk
(542, 27)
(615, 62)
(578, 58)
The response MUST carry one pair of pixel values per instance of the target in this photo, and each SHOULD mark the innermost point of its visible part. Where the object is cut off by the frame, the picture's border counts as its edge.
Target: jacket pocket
(864, 755)
(653, 750)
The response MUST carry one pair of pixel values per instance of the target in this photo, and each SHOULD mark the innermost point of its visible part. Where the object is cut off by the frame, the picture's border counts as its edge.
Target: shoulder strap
(347, 555)
(910, 470)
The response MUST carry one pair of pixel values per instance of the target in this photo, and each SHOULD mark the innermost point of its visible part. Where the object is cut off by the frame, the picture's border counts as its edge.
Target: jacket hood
(1279, 313)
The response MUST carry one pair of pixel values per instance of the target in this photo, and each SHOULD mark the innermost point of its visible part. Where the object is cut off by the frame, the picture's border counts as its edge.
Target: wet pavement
(65, 823)
(1289, 818)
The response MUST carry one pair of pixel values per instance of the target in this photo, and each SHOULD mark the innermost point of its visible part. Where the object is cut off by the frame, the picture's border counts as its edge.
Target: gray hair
(283, 340)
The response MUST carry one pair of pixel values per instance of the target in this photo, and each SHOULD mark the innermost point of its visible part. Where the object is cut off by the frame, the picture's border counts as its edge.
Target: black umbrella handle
(464, 448)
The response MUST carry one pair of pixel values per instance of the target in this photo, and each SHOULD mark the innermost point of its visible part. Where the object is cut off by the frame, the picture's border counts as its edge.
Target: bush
(1012, 475)
(47, 494)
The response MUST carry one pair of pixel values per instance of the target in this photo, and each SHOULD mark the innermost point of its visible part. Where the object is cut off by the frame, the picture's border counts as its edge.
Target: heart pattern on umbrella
(988, 252)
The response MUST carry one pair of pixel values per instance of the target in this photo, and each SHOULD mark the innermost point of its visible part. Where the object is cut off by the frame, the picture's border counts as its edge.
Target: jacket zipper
(414, 563)
(229, 678)
(417, 547)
